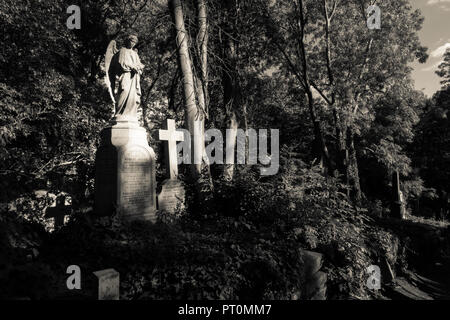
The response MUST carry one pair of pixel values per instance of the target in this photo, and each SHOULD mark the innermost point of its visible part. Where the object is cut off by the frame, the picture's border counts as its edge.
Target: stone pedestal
(125, 172)
(172, 195)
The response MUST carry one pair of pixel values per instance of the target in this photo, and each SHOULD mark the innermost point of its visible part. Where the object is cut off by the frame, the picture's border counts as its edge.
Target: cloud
(431, 2)
(439, 52)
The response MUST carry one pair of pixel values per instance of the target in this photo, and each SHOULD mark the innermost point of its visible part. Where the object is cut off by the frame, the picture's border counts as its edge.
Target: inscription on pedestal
(136, 182)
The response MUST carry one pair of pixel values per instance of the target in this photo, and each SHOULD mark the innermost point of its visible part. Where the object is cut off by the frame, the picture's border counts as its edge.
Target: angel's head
(132, 40)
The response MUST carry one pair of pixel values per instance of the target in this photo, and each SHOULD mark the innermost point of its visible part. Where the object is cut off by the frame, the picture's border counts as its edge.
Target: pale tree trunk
(230, 82)
(192, 111)
(202, 53)
(352, 171)
(201, 79)
(347, 162)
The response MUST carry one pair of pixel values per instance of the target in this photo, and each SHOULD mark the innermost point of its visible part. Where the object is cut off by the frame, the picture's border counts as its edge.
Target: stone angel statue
(124, 68)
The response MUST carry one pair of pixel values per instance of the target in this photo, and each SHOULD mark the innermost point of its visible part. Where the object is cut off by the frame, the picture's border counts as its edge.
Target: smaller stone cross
(171, 136)
(58, 212)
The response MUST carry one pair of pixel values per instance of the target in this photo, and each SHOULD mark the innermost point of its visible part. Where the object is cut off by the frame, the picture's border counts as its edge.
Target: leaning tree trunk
(352, 166)
(201, 81)
(342, 152)
(192, 111)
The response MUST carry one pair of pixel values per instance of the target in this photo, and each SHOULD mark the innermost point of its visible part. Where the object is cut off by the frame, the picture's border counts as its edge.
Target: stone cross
(58, 212)
(171, 136)
(108, 284)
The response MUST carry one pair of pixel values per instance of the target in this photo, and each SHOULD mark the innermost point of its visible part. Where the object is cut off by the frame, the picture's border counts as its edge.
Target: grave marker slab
(172, 195)
(108, 284)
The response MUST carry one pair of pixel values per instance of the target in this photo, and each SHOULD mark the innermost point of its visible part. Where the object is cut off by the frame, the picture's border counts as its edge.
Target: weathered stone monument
(397, 205)
(108, 284)
(125, 172)
(172, 192)
(125, 163)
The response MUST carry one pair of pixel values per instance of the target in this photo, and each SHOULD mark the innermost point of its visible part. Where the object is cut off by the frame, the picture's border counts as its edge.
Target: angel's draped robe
(129, 88)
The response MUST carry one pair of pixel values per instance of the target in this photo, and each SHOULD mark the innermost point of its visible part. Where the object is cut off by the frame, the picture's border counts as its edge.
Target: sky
(435, 35)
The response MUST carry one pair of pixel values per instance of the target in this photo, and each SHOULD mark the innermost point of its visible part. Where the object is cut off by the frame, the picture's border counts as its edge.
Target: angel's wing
(110, 69)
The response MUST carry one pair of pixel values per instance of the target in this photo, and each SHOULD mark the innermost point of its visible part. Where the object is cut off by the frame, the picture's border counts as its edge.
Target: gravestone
(58, 212)
(171, 196)
(172, 192)
(315, 280)
(397, 203)
(108, 284)
(125, 172)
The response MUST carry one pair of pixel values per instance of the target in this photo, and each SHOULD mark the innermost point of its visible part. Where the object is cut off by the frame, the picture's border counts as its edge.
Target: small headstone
(312, 261)
(58, 212)
(171, 196)
(172, 193)
(316, 287)
(108, 284)
(316, 280)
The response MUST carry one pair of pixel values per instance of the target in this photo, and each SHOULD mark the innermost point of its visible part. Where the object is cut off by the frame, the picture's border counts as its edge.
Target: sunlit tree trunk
(352, 166)
(192, 111)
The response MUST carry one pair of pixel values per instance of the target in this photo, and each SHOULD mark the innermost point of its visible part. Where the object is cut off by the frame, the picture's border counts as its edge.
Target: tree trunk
(202, 53)
(192, 111)
(202, 80)
(352, 166)
(342, 153)
(230, 82)
(319, 148)
(347, 162)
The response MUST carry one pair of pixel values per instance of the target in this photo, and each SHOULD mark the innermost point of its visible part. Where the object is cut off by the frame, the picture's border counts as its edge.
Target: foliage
(243, 239)
(431, 148)
(444, 69)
